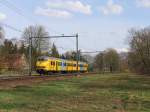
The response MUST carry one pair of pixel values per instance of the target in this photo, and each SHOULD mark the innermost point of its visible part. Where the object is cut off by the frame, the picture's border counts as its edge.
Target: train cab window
(42, 59)
(59, 63)
(53, 63)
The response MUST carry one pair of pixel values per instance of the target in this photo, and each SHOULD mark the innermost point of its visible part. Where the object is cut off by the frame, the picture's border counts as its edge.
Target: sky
(101, 24)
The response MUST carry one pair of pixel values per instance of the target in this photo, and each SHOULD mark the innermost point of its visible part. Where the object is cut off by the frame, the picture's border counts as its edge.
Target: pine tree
(54, 51)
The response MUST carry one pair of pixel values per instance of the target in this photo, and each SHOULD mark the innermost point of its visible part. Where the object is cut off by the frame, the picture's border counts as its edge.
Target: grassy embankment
(95, 93)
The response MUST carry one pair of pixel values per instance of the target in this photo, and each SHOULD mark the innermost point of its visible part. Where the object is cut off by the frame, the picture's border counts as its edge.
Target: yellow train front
(48, 65)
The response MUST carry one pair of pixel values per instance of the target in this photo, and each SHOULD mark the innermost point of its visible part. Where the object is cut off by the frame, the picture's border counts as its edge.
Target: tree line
(110, 61)
(137, 59)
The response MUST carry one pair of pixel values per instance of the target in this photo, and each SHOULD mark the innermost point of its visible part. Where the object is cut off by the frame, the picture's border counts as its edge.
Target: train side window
(60, 63)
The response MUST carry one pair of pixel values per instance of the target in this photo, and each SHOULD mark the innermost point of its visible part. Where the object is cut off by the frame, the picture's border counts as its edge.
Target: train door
(52, 65)
(57, 65)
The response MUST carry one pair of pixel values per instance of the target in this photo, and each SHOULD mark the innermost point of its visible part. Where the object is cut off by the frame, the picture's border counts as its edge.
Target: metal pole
(77, 48)
(30, 56)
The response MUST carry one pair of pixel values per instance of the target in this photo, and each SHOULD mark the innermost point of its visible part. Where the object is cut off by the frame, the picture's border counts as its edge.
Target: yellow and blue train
(48, 65)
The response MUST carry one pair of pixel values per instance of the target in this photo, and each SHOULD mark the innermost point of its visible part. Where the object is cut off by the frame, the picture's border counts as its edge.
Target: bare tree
(1, 33)
(39, 43)
(1, 38)
(139, 56)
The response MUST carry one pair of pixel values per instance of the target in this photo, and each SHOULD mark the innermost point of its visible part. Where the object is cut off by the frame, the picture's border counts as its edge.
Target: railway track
(26, 77)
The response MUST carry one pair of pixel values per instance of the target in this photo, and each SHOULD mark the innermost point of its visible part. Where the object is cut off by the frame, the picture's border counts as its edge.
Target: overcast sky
(101, 24)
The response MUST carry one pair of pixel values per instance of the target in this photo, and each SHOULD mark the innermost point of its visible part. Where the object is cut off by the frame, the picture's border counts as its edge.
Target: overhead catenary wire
(15, 9)
(92, 52)
(20, 12)
(11, 27)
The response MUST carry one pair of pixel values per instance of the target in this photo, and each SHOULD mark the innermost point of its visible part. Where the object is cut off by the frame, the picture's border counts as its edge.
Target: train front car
(49, 65)
(42, 65)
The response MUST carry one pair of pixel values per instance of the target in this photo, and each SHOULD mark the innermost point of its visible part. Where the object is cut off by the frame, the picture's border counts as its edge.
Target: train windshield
(42, 58)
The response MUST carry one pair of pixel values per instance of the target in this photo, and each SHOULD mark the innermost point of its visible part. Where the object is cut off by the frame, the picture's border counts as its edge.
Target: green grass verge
(95, 93)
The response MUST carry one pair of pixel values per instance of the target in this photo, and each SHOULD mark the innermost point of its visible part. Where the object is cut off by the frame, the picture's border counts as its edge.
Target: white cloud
(2, 16)
(53, 13)
(143, 3)
(61, 8)
(70, 5)
(111, 8)
(122, 50)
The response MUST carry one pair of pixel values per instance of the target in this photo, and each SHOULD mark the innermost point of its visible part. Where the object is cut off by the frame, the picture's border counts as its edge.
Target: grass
(95, 93)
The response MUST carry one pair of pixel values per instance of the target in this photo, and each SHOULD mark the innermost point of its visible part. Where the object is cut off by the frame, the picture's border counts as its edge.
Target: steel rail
(11, 78)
